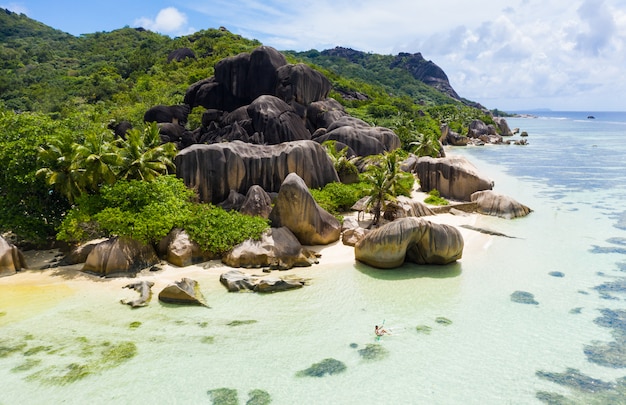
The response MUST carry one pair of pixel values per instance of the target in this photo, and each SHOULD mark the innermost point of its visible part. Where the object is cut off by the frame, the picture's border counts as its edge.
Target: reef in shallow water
(586, 390)
(523, 297)
(48, 364)
(326, 366)
(373, 352)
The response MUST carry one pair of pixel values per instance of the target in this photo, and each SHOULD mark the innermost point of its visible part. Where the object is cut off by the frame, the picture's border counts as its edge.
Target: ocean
(537, 317)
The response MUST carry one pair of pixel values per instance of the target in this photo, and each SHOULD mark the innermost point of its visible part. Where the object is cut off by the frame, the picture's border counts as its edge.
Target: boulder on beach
(236, 280)
(278, 248)
(185, 291)
(119, 257)
(178, 249)
(144, 288)
(296, 209)
(410, 240)
(80, 253)
(454, 177)
(491, 203)
(11, 258)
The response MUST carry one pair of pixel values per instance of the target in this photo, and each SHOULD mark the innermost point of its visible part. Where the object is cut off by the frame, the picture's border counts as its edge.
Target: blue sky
(511, 55)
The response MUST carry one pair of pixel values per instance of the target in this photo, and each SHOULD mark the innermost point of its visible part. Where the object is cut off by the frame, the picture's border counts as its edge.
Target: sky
(511, 55)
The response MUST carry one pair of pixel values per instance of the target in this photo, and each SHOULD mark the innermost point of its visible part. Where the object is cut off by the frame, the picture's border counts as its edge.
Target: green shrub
(218, 231)
(435, 199)
(338, 197)
(145, 211)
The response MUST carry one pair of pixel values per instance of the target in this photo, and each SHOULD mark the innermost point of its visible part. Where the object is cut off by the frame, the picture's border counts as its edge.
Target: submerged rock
(523, 297)
(185, 291)
(373, 352)
(573, 378)
(326, 366)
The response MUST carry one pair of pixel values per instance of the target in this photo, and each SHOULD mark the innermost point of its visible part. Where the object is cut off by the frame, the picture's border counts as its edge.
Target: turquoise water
(458, 335)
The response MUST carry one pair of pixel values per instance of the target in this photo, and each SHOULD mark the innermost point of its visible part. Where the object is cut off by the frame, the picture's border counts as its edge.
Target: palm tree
(143, 156)
(344, 166)
(57, 161)
(426, 146)
(95, 161)
(384, 178)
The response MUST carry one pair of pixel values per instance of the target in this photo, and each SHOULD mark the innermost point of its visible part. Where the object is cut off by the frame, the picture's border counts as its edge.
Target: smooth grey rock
(119, 257)
(492, 203)
(454, 177)
(296, 209)
(144, 288)
(216, 169)
(11, 258)
(412, 240)
(185, 291)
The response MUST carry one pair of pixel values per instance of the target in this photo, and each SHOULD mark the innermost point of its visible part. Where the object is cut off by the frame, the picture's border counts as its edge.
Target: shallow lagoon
(458, 335)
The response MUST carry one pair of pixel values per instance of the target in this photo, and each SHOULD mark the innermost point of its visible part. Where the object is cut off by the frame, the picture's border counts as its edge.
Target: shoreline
(70, 279)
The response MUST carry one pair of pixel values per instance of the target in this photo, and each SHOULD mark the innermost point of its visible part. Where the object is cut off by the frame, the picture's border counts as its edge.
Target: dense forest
(65, 174)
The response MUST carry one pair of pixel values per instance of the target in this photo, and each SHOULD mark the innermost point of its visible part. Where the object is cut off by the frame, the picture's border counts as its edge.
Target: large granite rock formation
(410, 240)
(276, 121)
(362, 138)
(503, 126)
(296, 209)
(491, 203)
(216, 169)
(321, 114)
(277, 249)
(11, 258)
(119, 257)
(299, 85)
(240, 79)
(455, 177)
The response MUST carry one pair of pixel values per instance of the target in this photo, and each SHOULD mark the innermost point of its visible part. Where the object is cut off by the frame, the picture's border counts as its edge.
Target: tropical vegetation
(65, 173)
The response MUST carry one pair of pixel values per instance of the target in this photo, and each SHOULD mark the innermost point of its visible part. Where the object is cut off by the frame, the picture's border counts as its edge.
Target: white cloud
(502, 54)
(168, 20)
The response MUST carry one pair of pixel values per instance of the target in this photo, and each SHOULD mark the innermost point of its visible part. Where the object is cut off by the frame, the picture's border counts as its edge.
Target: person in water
(379, 331)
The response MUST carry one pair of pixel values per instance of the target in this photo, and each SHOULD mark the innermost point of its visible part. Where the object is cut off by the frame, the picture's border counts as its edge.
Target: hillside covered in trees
(58, 93)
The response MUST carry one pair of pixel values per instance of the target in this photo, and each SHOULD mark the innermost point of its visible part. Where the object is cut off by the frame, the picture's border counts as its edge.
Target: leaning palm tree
(143, 156)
